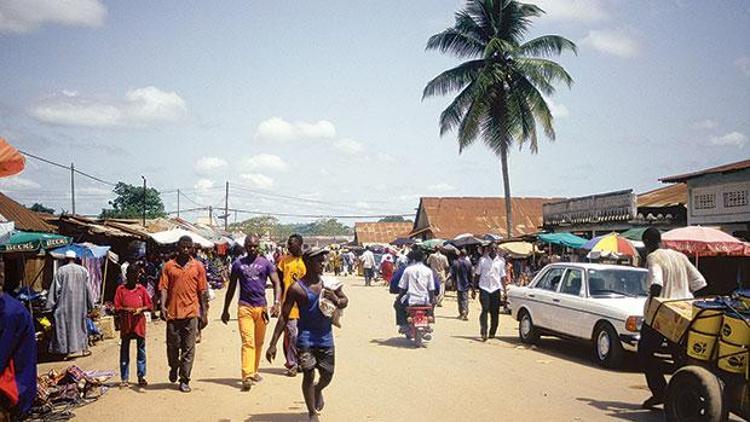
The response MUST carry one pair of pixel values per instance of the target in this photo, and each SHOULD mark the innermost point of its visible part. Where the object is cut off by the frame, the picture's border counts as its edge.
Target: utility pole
(178, 203)
(144, 200)
(226, 208)
(210, 215)
(73, 188)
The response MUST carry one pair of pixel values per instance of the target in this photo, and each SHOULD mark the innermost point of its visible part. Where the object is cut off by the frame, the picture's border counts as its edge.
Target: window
(704, 201)
(572, 283)
(737, 198)
(550, 280)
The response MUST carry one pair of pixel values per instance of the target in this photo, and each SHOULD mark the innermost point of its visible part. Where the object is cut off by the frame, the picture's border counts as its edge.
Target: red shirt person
(131, 300)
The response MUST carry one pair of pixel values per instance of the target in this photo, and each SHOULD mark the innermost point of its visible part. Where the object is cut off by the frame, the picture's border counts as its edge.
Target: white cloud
(348, 146)
(573, 10)
(258, 180)
(386, 158)
(362, 205)
(267, 162)
(20, 16)
(17, 183)
(559, 111)
(705, 124)
(204, 185)
(743, 63)
(441, 187)
(140, 107)
(733, 138)
(208, 164)
(615, 42)
(278, 129)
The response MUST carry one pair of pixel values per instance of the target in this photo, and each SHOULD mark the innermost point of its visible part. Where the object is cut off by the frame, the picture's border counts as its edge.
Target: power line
(82, 173)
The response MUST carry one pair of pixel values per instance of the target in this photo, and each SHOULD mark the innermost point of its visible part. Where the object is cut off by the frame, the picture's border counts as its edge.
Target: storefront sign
(607, 207)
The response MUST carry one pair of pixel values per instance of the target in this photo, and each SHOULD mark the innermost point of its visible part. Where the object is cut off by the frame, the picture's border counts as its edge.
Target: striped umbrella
(611, 244)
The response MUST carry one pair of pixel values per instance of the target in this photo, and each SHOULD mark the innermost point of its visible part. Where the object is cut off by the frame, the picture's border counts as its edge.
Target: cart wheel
(695, 394)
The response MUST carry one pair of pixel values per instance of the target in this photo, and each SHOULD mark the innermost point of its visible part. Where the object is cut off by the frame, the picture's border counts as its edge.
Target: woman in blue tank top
(315, 339)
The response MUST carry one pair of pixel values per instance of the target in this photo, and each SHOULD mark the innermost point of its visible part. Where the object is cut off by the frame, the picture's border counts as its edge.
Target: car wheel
(526, 329)
(608, 350)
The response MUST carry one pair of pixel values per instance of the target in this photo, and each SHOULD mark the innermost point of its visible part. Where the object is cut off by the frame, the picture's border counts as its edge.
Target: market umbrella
(518, 249)
(448, 248)
(21, 241)
(634, 233)
(431, 244)
(492, 237)
(172, 236)
(564, 239)
(611, 244)
(703, 241)
(11, 161)
(403, 241)
(465, 240)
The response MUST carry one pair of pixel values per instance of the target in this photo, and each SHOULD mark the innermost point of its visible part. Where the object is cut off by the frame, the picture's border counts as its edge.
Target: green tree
(502, 85)
(129, 203)
(37, 207)
(392, 219)
(258, 225)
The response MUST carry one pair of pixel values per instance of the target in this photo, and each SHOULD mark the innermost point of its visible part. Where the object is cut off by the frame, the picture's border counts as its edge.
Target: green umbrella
(431, 244)
(32, 242)
(634, 234)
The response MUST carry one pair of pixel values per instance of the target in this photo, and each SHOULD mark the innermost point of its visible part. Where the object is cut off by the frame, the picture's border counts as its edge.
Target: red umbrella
(11, 161)
(703, 241)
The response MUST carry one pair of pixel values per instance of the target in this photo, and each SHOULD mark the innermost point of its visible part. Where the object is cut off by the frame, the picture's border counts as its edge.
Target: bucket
(707, 317)
(735, 330)
(701, 346)
(733, 358)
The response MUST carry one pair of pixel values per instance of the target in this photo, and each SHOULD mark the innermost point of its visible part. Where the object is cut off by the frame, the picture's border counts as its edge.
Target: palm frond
(453, 79)
(544, 69)
(451, 117)
(455, 42)
(547, 45)
(499, 47)
(539, 107)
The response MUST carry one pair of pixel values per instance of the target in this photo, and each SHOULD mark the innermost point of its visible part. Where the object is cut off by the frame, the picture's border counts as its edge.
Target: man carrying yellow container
(670, 276)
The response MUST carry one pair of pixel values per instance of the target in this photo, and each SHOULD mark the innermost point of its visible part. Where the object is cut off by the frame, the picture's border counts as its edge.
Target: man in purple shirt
(252, 271)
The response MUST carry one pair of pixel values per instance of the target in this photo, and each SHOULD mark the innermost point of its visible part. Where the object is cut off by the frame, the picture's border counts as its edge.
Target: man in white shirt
(368, 264)
(416, 286)
(489, 276)
(670, 275)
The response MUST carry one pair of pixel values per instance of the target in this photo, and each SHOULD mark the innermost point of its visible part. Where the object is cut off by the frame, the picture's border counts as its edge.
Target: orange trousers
(252, 332)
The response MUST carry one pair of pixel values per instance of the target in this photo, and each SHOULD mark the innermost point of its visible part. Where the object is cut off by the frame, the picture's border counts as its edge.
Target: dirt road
(380, 377)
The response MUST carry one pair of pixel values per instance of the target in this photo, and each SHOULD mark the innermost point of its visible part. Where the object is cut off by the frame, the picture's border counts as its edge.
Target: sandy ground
(380, 376)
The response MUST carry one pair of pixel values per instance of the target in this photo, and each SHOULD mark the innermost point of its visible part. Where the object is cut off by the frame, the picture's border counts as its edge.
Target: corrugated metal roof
(726, 168)
(24, 218)
(664, 197)
(365, 233)
(449, 217)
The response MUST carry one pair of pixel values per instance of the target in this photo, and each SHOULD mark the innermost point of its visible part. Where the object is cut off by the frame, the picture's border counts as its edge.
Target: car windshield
(617, 282)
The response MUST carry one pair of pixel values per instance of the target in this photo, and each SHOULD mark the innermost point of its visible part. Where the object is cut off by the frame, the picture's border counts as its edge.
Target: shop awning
(563, 239)
(21, 241)
(518, 249)
(82, 250)
(172, 236)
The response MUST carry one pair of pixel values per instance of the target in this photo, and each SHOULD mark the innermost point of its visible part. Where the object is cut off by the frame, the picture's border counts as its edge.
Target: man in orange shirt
(184, 293)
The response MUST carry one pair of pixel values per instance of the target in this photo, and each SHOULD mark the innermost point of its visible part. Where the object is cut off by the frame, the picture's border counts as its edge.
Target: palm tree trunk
(506, 187)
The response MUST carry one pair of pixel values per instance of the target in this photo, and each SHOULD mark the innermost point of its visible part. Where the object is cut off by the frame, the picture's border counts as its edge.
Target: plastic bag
(327, 307)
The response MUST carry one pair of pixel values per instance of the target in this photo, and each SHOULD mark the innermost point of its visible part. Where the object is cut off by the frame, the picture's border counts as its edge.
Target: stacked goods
(671, 318)
(705, 329)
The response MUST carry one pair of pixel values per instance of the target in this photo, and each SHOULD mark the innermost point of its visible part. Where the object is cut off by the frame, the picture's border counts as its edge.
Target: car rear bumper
(630, 341)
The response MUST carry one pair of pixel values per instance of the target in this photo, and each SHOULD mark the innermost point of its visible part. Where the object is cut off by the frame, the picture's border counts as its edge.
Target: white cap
(70, 254)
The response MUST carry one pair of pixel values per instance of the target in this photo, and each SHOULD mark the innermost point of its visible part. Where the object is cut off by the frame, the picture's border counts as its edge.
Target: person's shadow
(278, 417)
(624, 411)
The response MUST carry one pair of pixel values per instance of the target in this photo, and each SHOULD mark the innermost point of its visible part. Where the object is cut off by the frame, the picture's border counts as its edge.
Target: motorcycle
(419, 320)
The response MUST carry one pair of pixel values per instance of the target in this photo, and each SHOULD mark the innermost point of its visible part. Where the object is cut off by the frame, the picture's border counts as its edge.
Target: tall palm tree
(502, 85)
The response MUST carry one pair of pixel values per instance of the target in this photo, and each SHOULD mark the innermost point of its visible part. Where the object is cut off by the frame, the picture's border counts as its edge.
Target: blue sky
(322, 100)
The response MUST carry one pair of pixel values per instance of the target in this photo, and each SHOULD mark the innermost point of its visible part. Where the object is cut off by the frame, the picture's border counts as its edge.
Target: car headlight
(634, 323)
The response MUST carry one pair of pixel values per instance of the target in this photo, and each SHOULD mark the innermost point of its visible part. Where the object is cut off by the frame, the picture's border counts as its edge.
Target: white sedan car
(600, 303)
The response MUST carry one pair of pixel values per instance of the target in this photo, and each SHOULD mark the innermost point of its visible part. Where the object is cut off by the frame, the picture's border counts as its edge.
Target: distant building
(369, 233)
(719, 196)
(448, 217)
